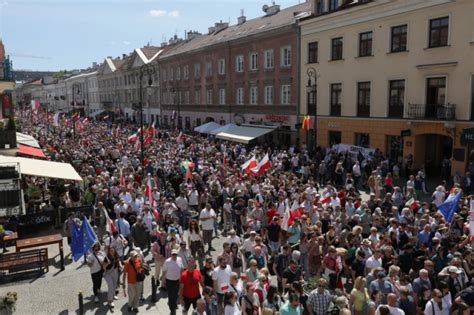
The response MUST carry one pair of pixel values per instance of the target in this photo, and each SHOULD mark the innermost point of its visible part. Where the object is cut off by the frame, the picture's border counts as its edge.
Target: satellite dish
(265, 8)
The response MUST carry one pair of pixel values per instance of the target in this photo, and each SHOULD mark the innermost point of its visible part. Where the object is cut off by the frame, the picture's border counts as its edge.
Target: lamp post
(176, 92)
(312, 107)
(149, 71)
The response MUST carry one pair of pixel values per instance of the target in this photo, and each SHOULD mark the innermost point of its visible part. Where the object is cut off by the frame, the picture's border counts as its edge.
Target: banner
(352, 149)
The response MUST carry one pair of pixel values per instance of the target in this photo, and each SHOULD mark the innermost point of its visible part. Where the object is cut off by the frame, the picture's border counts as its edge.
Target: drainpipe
(298, 76)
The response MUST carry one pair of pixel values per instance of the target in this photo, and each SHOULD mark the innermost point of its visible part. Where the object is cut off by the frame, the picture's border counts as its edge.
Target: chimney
(220, 26)
(163, 44)
(211, 29)
(271, 10)
(124, 56)
(241, 19)
(192, 34)
(94, 65)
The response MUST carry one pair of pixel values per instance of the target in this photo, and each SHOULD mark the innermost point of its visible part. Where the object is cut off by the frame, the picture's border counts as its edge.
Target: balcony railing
(431, 111)
(336, 110)
(363, 111)
(395, 111)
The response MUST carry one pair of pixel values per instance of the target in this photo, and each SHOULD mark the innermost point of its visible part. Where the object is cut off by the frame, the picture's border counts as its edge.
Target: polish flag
(147, 139)
(151, 130)
(132, 138)
(110, 226)
(262, 166)
(295, 212)
(249, 165)
(149, 193)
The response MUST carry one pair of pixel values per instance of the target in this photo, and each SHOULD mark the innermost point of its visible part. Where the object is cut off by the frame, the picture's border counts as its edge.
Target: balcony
(431, 111)
(249, 109)
(336, 110)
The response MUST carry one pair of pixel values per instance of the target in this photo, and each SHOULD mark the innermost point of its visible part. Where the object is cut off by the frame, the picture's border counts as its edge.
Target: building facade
(119, 84)
(244, 73)
(395, 75)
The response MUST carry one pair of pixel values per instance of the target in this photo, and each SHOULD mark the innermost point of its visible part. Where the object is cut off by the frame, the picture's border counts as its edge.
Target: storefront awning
(40, 168)
(223, 129)
(30, 151)
(207, 127)
(244, 134)
(27, 140)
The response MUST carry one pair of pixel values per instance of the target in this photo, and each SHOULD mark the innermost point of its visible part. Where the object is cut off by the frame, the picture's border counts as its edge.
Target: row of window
(437, 37)
(435, 95)
(268, 94)
(253, 65)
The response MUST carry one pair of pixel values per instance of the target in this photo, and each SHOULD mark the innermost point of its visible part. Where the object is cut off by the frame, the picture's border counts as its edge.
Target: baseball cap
(381, 274)
(454, 269)
(174, 252)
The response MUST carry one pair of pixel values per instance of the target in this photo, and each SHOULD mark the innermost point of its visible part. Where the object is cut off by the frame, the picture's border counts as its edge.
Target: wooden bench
(25, 261)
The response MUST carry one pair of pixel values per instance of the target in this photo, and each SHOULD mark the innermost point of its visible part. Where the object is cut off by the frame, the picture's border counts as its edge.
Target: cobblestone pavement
(56, 292)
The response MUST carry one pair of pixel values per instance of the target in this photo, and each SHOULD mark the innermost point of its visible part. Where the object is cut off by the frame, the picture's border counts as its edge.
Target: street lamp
(145, 69)
(177, 100)
(74, 108)
(312, 107)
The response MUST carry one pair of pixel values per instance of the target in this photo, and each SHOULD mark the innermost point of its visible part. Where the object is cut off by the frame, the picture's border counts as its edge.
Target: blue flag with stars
(449, 207)
(83, 238)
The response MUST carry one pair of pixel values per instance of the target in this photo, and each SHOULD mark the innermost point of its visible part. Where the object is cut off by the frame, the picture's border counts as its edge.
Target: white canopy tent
(207, 127)
(27, 140)
(41, 168)
(244, 134)
(223, 129)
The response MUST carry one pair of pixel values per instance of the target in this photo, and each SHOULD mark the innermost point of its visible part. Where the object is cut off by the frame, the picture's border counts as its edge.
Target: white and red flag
(132, 138)
(110, 226)
(249, 165)
(262, 166)
(149, 193)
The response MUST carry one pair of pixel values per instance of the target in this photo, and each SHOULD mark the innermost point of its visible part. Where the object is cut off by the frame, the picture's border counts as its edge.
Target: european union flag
(83, 238)
(449, 207)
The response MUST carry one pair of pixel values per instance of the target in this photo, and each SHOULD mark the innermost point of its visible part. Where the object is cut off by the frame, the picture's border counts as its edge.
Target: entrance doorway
(431, 149)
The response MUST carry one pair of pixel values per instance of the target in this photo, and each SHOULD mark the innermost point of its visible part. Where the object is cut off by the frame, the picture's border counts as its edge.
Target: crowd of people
(329, 234)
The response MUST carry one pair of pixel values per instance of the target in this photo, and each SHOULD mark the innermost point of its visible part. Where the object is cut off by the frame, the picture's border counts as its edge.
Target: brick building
(244, 73)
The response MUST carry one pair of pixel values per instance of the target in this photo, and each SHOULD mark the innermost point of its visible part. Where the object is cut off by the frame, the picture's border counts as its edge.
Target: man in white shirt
(207, 218)
(182, 204)
(374, 261)
(172, 269)
(392, 306)
(249, 244)
(356, 174)
(221, 281)
(117, 241)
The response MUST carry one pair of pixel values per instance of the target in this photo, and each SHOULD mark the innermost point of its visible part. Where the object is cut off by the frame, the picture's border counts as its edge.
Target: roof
(40, 168)
(150, 51)
(284, 17)
(27, 140)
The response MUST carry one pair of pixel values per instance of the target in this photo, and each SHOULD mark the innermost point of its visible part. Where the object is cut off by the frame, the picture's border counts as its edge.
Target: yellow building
(387, 68)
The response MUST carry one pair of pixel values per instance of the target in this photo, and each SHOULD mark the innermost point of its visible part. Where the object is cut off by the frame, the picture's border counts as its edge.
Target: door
(435, 96)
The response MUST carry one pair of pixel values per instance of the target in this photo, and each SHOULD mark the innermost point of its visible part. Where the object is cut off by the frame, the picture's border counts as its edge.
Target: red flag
(151, 130)
(120, 147)
(122, 179)
(147, 139)
(295, 212)
(156, 214)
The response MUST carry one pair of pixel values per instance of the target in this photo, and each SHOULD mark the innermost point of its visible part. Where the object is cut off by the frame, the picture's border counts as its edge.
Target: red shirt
(191, 280)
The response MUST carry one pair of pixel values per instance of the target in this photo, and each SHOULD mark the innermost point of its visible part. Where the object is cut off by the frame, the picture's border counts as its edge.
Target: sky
(53, 35)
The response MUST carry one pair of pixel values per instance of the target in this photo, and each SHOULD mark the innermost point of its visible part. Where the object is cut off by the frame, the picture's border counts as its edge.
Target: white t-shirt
(372, 263)
(393, 311)
(222, 276)
(95, 261)
(173, 268)
(233, 239)
(207, 224)
(232, 309)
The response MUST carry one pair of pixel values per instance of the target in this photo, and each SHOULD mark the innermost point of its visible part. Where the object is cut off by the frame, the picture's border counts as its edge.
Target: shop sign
(467, 135)
(406, 133)
(34, 219)
(277, 118)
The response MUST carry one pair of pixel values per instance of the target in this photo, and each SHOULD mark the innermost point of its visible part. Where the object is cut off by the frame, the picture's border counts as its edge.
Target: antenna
(241, 12)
